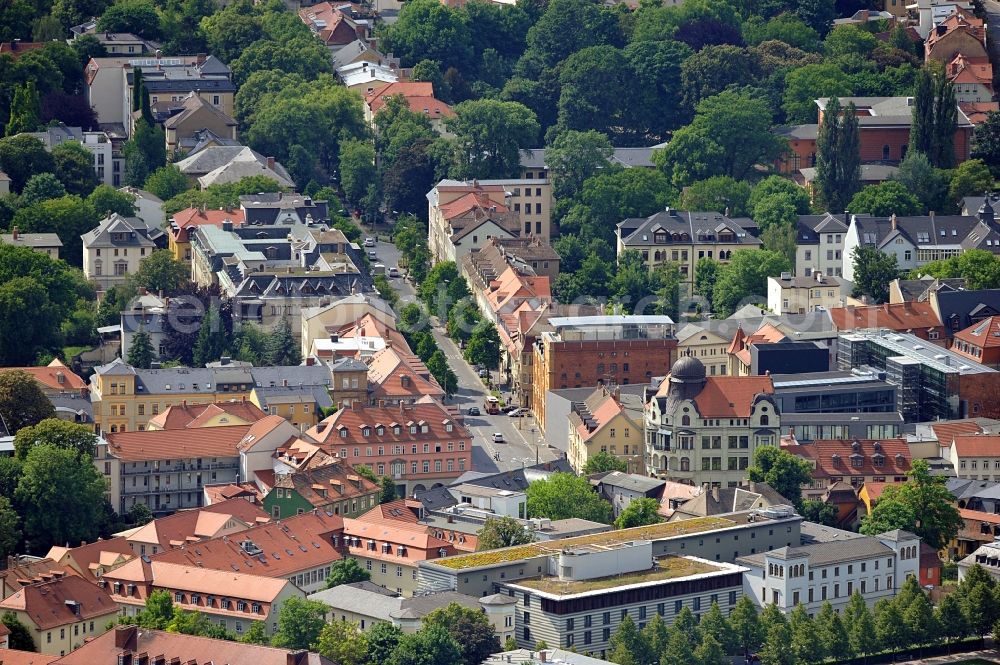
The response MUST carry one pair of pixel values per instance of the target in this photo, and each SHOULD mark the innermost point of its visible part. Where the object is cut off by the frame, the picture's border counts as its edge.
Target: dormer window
(397, 430)
(380, 430)
(343, 432)
(448, 427)
(413, 429)
(366, 431)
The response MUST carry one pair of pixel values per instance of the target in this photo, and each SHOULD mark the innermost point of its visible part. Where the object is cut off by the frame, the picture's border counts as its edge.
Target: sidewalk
(984, 654)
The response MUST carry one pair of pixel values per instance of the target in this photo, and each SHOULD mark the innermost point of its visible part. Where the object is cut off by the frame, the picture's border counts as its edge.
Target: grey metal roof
(553, 656)
(348, 365)
(897, 535)
(350, 598)
(957, 307)
(288, 394)
(869, 172)
(807, 132)
(138, 233)
(893, 111)
(630, 481)
(299, 375)
(811, 533)
(31, 239)
(417, 607)
(825, 553)
(689, 225)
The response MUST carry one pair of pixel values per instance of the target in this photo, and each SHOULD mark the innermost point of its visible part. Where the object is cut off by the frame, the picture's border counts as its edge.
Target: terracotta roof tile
(327, 484)
(977, 445)
(396, 373)
(471, 201)
(731, 396)
(189, 524)
(984, 334)
(178, 648)
(281, 554)
(87, 557)
(177, 444)
(947, 431)
(49, 376)
(836, 457)
(430, 413)
(17, 657)
(186, 415)
(183, 221)
(46, 602)
(979, 516)
(898, 317)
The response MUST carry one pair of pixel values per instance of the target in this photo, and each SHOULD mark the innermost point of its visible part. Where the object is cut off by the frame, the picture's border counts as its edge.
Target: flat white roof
(611, 320)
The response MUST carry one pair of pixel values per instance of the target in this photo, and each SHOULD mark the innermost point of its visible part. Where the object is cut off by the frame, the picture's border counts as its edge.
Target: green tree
(343, 643)
(58, 433)
(594, 85)
(889, 626)
(838, 156)
(784, 472)
(656, 635)
(105, 200)
(357, 168)
(779, 185)
(873, 270)
(22, 402)
(388, 490)
(383, 638)
(484, 345)
(985, 142)
(747, 625)
(860, 626)
(706, 272)
(23, 156)
(806, 645)
(138, 17)
(40, 187)
(470, 628)
(442, 372)
(884, 199)
(935, 117)
(719, 193)
(970, 178)
(429, 30)
(776, 648)
(775, 211)
(50, 475)
(282, 348)
(500, 532)
(166, 182)
(431, 646)
(140, 514)
(627, 644)
(715, 624)
(490, 134)
(346, 571)
(211, 344)
(25, 110)
(10, 529)
(74, 166)
(850, 40)
(140, 353)
(575, 156)
(639, 512)
(980, 607)
(928, 184)
(20, 637)
(730, 135)
(950, 619)
(710, 652)
(161, 272)
(69, 217)
(563, 495)
(745, 276)
(256, 634)
(602, 461)
(715, 68)
(817, 510)
(927, 499)
(158, 612)
(920, 619)
(678, 648)
(804, 85)
(299, 623)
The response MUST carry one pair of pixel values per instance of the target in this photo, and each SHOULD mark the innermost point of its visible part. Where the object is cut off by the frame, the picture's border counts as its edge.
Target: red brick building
(420, 445)
(585, 351)
(884, 130)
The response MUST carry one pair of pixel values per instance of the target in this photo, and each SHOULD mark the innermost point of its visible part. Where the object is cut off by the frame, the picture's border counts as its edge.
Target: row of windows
(77, 629)
(777, 570)
(975, 464)
(811, 592)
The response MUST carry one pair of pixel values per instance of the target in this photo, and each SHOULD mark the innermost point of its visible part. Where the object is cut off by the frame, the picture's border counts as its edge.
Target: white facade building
(874, 566)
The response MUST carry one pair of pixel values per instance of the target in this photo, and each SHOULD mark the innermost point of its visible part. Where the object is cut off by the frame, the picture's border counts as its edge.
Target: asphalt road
(522, 443)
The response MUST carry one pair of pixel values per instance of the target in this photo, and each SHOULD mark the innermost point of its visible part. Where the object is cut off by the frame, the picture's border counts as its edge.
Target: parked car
(393, 271)
(519, 413)
(484, 373)
(497, 437)
(369, 242)
(474, 411)
(371, 254)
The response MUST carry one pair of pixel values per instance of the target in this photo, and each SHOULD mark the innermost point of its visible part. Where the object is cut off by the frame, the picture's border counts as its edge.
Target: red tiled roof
(327, 484)
(835, 457)
(874, 490)
(963, 69)
(984, 334)
(49, 376)
(45, 602)
(282, 554)
(18, 657)
(979, 516)
(898, 317)
(728, 396)
(396, 373)
(90, 556)
(178, 648)
(218, 493)
(978, 112)
(177, 444)
(394, 511)
(17, 49)
(470, 201)
(948, 430)
(977, 445)
(28, 571)
(187, 525)
(352, 420)
(183, 221)
(419, 96)
(959, 20)
(186, 415)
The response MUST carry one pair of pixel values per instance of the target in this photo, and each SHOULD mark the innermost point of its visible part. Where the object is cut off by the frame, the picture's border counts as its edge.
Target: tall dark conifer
(838, 156)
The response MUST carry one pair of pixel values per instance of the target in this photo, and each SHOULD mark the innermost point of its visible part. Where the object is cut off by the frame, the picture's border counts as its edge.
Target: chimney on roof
(15, 232)
(270, 163)
(200, 59)
(847, 217)
(931, 213)
(299, 657)
(125, 637)
(892, 221)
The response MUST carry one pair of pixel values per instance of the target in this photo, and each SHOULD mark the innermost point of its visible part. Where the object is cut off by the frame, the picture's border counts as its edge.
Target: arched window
(885, 152)
(764, 420)
(686, 421)
(685, 464)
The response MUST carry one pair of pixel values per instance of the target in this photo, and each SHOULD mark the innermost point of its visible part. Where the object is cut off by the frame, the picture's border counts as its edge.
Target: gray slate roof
(138, 233)
(824, 553)
(636, 231)
(627, 481)
(31, 239)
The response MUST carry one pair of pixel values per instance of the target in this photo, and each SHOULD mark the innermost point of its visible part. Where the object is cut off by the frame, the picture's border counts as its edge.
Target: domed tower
(687, 378)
